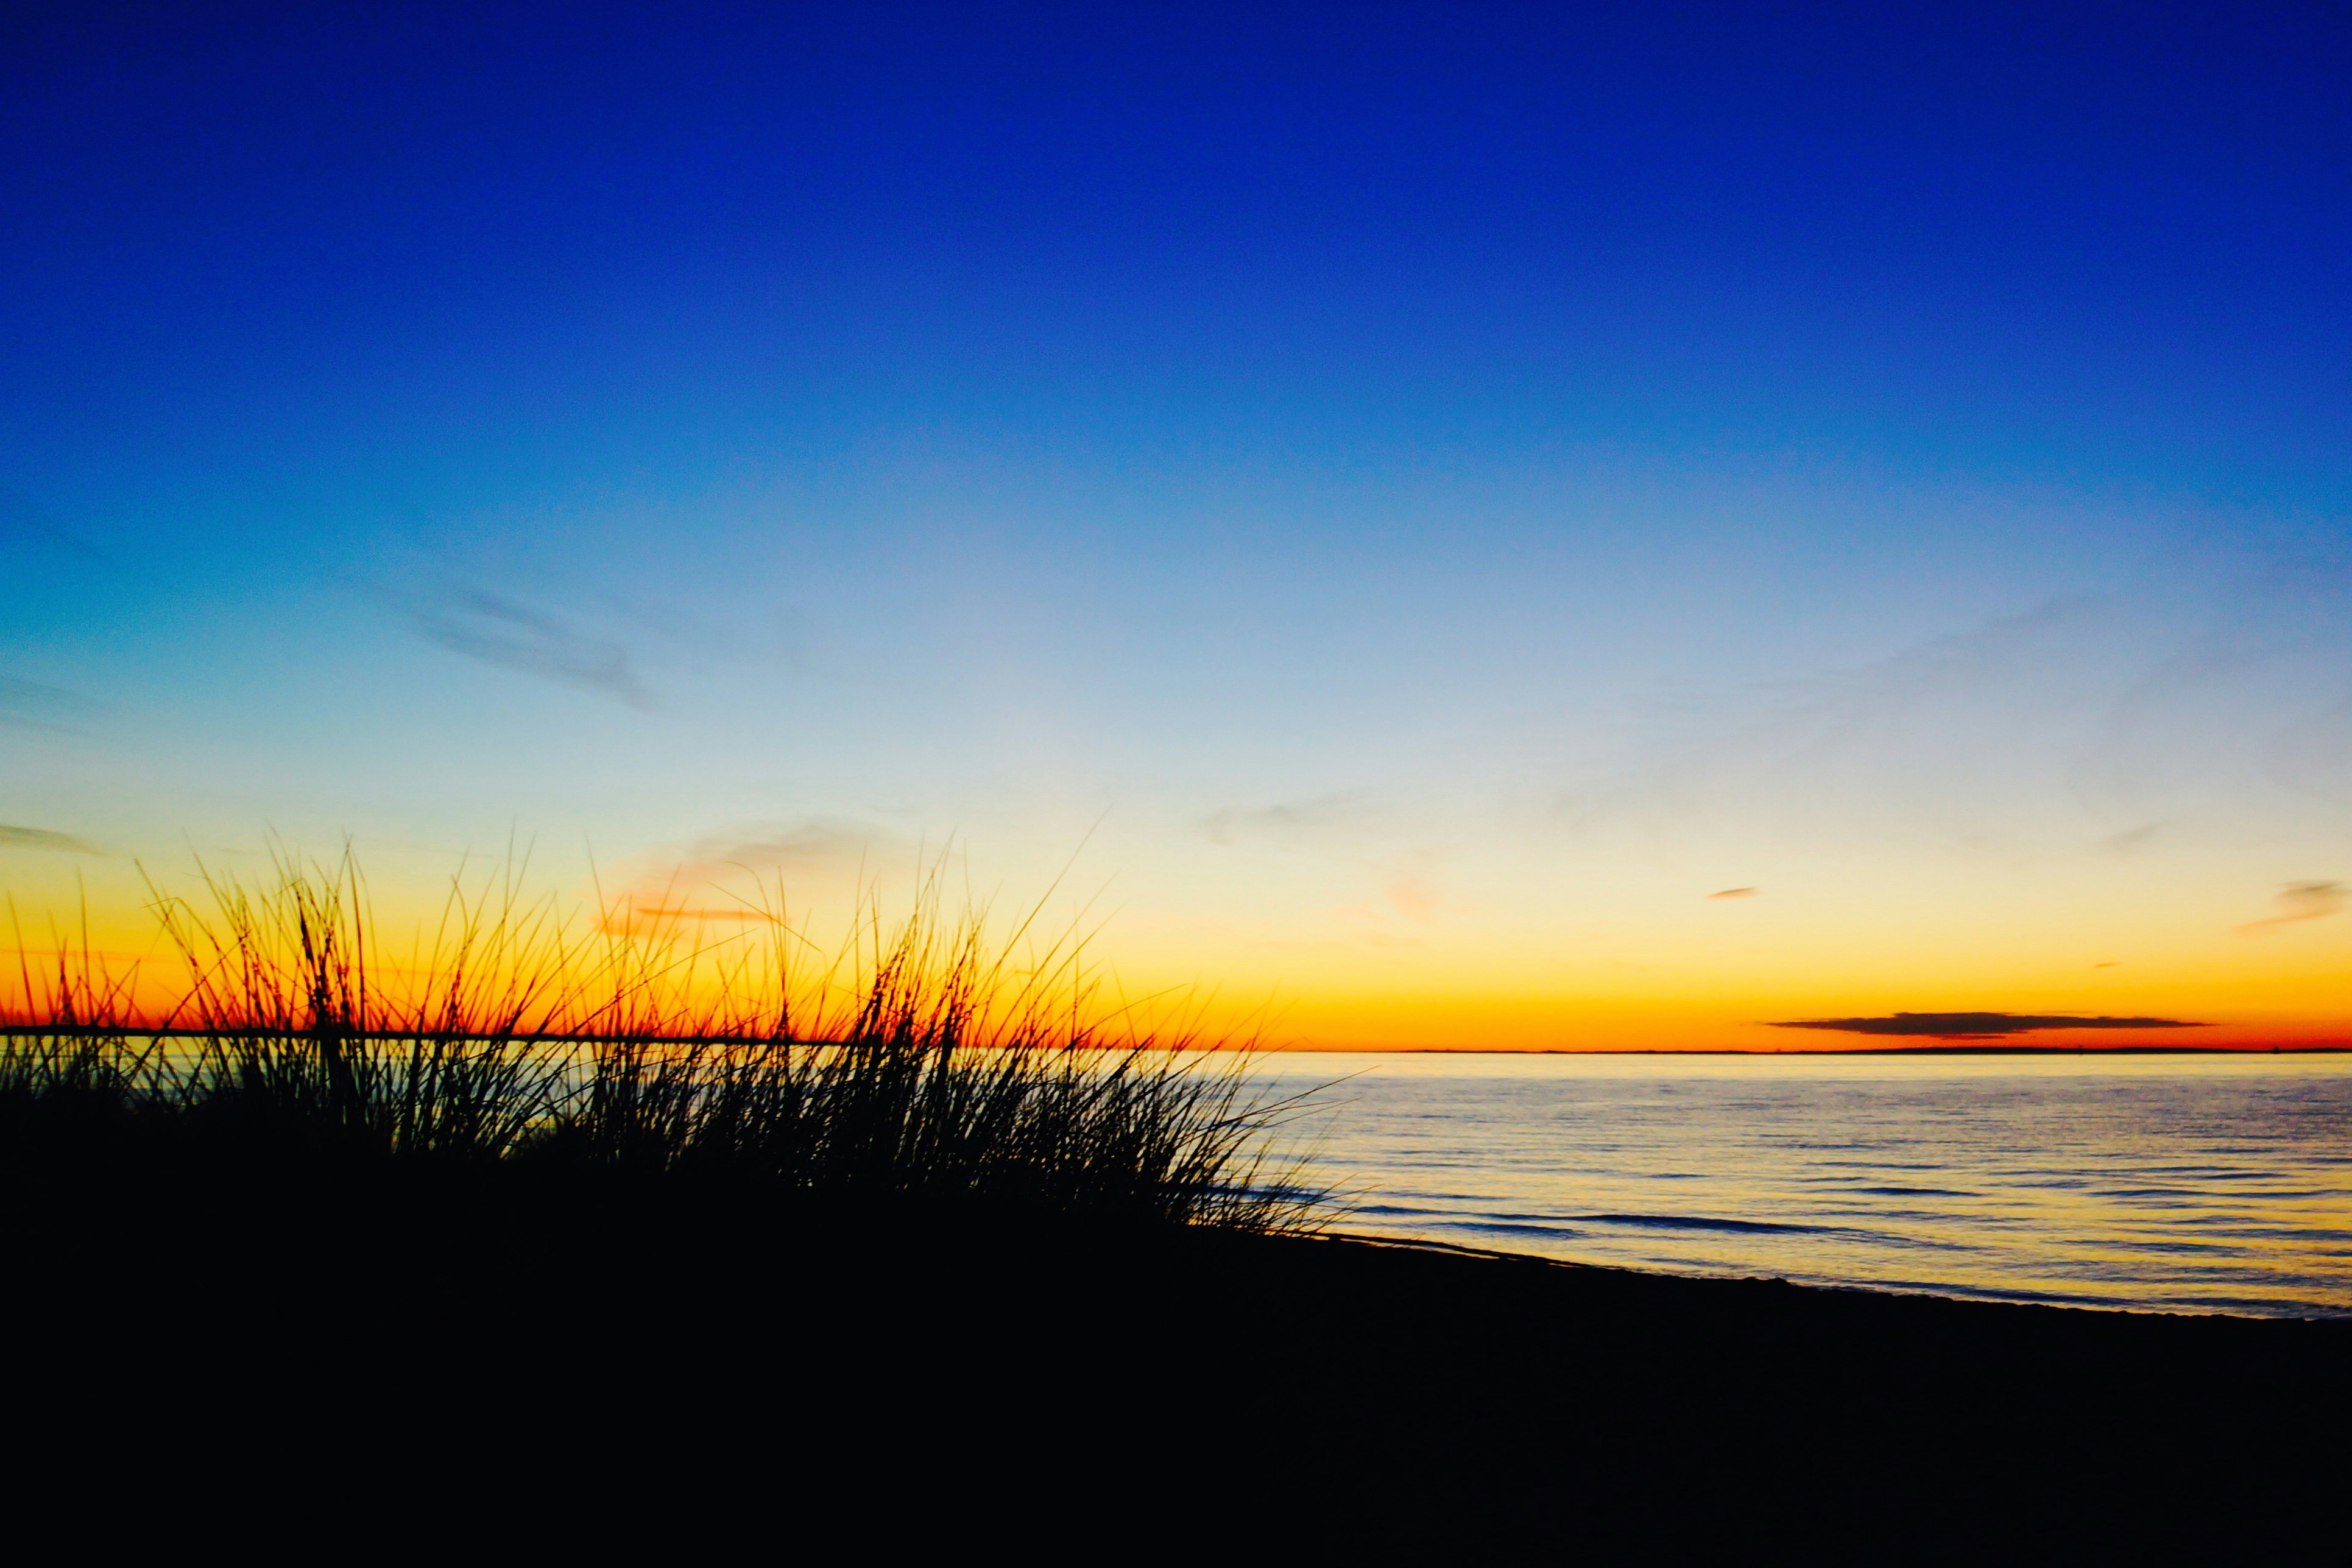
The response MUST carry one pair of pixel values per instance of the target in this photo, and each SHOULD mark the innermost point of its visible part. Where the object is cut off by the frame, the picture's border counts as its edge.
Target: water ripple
(2184, 1184)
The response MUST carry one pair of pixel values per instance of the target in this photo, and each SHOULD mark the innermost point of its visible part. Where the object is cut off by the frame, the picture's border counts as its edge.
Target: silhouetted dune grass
(567, 1227)
(917, 1068)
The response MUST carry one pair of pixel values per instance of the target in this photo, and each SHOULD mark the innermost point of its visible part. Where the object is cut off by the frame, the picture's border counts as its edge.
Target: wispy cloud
(725, 879)
(1734, 893)
(828, 846)
(1285, 820)
(1946, 739)
(26, 521)
(497, 631)
(2116, 726)
(28, 705)
(1414, 898)
(1976, 1026)
(11, 837)
(2301, 902)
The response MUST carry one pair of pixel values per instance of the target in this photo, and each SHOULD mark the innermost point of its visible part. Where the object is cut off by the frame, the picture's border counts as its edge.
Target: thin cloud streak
(26, 520)
(2301, 902)
(810, 859)
(2118, 725)
(28, 705)
(1285, 820)
(11, 837)
(496, 631)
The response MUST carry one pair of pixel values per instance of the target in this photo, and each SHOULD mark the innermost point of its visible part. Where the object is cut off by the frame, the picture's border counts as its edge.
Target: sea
(2154, 1182)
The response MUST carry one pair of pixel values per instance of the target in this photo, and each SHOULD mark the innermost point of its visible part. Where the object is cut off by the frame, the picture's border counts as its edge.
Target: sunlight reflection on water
(2196, 1184)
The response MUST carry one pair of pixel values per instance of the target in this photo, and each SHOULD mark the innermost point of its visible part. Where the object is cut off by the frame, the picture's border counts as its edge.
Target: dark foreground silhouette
(413, 1351)
(536, 1265)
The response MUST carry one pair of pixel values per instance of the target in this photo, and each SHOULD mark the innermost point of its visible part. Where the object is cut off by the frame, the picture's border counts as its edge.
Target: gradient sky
(1417, 501)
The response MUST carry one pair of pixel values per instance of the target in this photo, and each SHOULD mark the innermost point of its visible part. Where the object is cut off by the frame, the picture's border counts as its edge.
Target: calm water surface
(2196, 1184)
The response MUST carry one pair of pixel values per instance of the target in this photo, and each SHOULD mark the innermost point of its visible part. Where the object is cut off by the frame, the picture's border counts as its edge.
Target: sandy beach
(676, 1328)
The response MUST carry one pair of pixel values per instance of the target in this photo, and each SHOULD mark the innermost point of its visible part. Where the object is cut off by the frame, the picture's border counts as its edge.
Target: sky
(1455, 526)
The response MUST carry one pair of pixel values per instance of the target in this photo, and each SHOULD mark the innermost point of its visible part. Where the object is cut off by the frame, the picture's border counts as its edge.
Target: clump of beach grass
(917, 1068)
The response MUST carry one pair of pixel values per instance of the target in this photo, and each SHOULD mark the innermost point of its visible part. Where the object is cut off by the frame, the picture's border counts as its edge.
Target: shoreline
(2342, 1318)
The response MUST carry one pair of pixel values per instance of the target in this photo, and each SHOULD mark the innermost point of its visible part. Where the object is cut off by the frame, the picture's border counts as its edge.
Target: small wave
(1507, 1227)
(1692, 1222)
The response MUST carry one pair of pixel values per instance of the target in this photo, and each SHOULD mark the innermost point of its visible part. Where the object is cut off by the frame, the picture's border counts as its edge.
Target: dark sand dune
(1044, 1375)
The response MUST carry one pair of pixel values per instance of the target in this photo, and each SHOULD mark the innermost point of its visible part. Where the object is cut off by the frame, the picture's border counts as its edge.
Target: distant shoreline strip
(185, 1032)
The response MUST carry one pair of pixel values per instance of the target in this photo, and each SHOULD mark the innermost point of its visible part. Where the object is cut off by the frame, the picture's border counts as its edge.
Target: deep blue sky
(1427, 428)
(539, 242)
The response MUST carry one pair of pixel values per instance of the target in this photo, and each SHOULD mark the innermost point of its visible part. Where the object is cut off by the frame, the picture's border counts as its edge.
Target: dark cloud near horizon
(1734, 893)
(12, 838)
(1975, 1026)
(483, 626)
